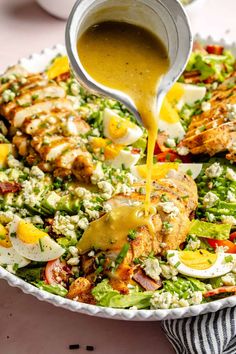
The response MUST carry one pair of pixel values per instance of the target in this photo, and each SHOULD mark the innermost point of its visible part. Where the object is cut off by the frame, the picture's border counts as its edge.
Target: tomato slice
(215, 49)
(222, 290)
(56, 272)
(160, 144)
(225, 243)
(232, 237)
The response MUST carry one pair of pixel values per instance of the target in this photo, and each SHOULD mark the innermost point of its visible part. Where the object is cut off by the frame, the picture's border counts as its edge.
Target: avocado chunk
(210, 230)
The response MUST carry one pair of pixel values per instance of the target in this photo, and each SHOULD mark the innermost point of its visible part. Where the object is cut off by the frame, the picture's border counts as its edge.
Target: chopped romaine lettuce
(105, 295)
(55, 289)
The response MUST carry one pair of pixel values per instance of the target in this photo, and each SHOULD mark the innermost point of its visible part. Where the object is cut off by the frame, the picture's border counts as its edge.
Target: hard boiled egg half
(178, 95)
(201, 263)
(116, 155)
(120, 130)
(8, 255)
(33, 243)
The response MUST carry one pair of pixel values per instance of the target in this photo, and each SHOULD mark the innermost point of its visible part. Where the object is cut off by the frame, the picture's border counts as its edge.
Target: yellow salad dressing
(130, 59)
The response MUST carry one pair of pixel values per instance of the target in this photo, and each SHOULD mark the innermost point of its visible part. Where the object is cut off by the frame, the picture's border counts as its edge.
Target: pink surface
(28, 326)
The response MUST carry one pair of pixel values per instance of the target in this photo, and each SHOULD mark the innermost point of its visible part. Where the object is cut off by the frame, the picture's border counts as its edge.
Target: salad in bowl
(70, 159)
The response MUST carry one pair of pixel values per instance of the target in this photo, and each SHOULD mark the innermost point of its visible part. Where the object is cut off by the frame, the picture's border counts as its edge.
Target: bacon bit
(215, 49)
(146, 282)
(9, 187)
(223, 289)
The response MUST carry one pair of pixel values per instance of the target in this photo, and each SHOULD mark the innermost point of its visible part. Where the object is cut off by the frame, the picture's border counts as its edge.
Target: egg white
(9, 256)
(124, 158)
(220, 267)
(133, 133)
(192, 93)
(46, 251)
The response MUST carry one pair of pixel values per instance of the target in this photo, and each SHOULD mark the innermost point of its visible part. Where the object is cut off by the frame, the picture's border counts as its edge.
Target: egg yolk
(168, 113)
(59, 66)
(4, 238)
(28, 233)
(118, 127)
(5, 149)
(200, 259)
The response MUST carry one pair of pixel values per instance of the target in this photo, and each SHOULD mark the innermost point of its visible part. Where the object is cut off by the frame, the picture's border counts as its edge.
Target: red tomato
(56, 271)
(160, 144)
(167, 157)
(215, 49)
(225, 243)
(232, 237)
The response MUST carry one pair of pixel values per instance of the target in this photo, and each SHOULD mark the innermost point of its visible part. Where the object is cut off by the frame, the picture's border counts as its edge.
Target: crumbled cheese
(74, 251)
(8, 96)
(14, 163)
(206, 106)
(36, 172)
(183, 150)
(75, 89)
(196, 298)
(231, 115)
(93, 214)
(83, 223)
(36, 219)
(163, 300)
(170, 142)
(220, 249)
(228, 219)
(91, 253)
(210, 200)
(230, 174)
(166, 300)
(107, 207)
(152, 268)
(231, 197)
(98, 174)
(74, 261)
(214, 85)
(83, 193)
(228, 279)
(213, 171)
(168, 271)
(62, 226)
(169, 208)
(107, 189)
(194, 244)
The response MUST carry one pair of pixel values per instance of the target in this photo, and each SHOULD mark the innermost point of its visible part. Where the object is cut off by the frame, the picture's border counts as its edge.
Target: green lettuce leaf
(105, 295)
(55, 289)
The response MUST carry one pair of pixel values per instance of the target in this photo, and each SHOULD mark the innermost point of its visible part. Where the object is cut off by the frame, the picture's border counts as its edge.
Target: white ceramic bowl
(37, 63)
(58, 8)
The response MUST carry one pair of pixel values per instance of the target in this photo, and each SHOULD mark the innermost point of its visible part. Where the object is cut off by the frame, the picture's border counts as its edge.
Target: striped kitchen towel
(213, 333)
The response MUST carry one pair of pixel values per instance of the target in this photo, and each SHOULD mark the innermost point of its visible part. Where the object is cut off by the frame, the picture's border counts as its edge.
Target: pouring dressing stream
(131, 59)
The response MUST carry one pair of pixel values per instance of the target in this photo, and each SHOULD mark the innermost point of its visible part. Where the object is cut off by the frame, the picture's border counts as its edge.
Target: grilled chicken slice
(213, 131)
(33, 95)
(19, 114)
(174, 199)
